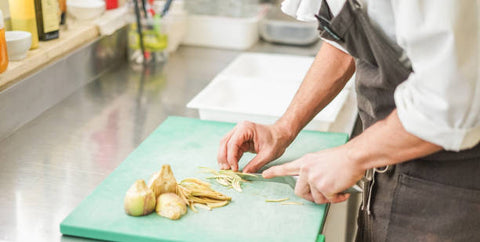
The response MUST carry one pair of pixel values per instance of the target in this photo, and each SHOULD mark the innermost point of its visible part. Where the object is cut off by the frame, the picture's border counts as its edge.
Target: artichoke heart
(163, 181)
(139, 199)
(171, 206)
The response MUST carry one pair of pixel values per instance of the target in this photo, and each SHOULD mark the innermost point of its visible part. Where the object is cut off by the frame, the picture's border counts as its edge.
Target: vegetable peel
(291, 203)
(276, 200)
(198, 193)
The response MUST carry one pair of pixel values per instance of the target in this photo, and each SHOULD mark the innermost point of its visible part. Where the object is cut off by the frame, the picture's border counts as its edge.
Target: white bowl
(85, 9)
(18, 44)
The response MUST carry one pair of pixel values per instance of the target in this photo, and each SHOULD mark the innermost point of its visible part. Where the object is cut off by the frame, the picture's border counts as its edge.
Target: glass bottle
(3, 46)
(63, 11)
(48, 23)
(22, 17)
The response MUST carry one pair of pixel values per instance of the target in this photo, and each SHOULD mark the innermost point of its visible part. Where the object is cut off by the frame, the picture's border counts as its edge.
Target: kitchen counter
(49, 165)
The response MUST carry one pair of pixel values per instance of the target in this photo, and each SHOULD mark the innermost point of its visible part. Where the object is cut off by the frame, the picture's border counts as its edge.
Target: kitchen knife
(290, 180)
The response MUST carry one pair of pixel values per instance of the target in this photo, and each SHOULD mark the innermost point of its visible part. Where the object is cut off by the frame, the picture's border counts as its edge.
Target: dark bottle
(48, 22)
(63, 11)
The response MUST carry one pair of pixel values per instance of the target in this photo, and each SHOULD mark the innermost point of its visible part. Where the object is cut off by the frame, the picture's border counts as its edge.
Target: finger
(338, 198)
(308, 197)
(302, 189)
(222, 151)
(287, 169)
(234, 150)
(318, 197)
(256, 163)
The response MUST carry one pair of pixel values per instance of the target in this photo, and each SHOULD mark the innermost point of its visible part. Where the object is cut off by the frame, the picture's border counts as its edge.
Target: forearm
(387, 143)
(327, 76)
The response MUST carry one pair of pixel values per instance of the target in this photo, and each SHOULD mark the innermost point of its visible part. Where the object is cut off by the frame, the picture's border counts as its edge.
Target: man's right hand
(267, 141)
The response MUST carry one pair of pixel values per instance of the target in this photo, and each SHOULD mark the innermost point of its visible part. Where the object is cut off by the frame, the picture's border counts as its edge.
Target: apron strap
(324, 17)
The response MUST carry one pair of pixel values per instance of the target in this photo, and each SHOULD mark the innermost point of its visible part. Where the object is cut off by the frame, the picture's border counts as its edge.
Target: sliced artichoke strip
(217, 204)
(202, 206)
(227, 178)
(198, 194)
(222, 181)
(291, 203)
(277, 200)
(192, 207)
(236, 185)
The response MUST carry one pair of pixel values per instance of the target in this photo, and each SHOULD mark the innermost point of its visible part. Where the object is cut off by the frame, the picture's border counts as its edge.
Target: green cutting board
(187, 144)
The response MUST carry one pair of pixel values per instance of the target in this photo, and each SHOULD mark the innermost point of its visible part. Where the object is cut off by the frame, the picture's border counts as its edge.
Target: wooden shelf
(72, 37)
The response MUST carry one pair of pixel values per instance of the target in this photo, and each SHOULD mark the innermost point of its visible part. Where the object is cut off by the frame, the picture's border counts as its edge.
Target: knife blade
(290, 180)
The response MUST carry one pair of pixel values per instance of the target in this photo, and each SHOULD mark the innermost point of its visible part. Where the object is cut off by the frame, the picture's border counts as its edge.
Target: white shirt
(440, 100)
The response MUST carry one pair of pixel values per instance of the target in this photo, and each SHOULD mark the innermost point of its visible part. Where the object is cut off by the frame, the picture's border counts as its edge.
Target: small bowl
(85, 9)
(18, 44)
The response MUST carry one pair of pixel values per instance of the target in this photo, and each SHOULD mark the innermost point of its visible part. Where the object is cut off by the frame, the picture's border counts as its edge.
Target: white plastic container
(112, 21)
(18, 44)
(222, 32)
(279, 28)
(287, 32)
(259, 88)
(85, 9)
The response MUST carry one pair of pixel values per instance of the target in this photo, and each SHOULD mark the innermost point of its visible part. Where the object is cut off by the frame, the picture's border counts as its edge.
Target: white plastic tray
(259, 88)
(222, 32)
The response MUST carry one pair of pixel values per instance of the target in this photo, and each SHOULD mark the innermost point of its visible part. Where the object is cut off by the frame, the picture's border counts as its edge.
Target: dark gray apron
(435, 198)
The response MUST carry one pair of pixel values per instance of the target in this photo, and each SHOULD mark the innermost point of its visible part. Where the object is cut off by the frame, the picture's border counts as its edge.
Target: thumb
(287, 169)
(256, 163)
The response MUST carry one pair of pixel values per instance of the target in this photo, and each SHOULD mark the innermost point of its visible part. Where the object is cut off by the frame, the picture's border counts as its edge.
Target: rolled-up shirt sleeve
(440, 100)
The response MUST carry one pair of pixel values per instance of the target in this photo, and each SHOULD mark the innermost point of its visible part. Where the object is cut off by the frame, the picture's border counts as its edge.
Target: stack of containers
(277, 27)
(228, 24)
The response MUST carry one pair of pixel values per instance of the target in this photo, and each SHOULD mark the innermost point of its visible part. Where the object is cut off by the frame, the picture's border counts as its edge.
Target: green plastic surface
(187, 144)
(321, 238)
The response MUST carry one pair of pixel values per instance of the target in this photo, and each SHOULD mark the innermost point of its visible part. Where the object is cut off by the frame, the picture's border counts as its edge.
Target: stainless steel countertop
(48, 166)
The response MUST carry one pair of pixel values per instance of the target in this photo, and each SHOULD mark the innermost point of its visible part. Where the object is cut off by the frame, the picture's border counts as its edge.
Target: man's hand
(323, 175)
(329, 73)
(267, 141)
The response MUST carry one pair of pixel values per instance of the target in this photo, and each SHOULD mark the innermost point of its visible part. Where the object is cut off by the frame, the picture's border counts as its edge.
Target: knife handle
(354, 189)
